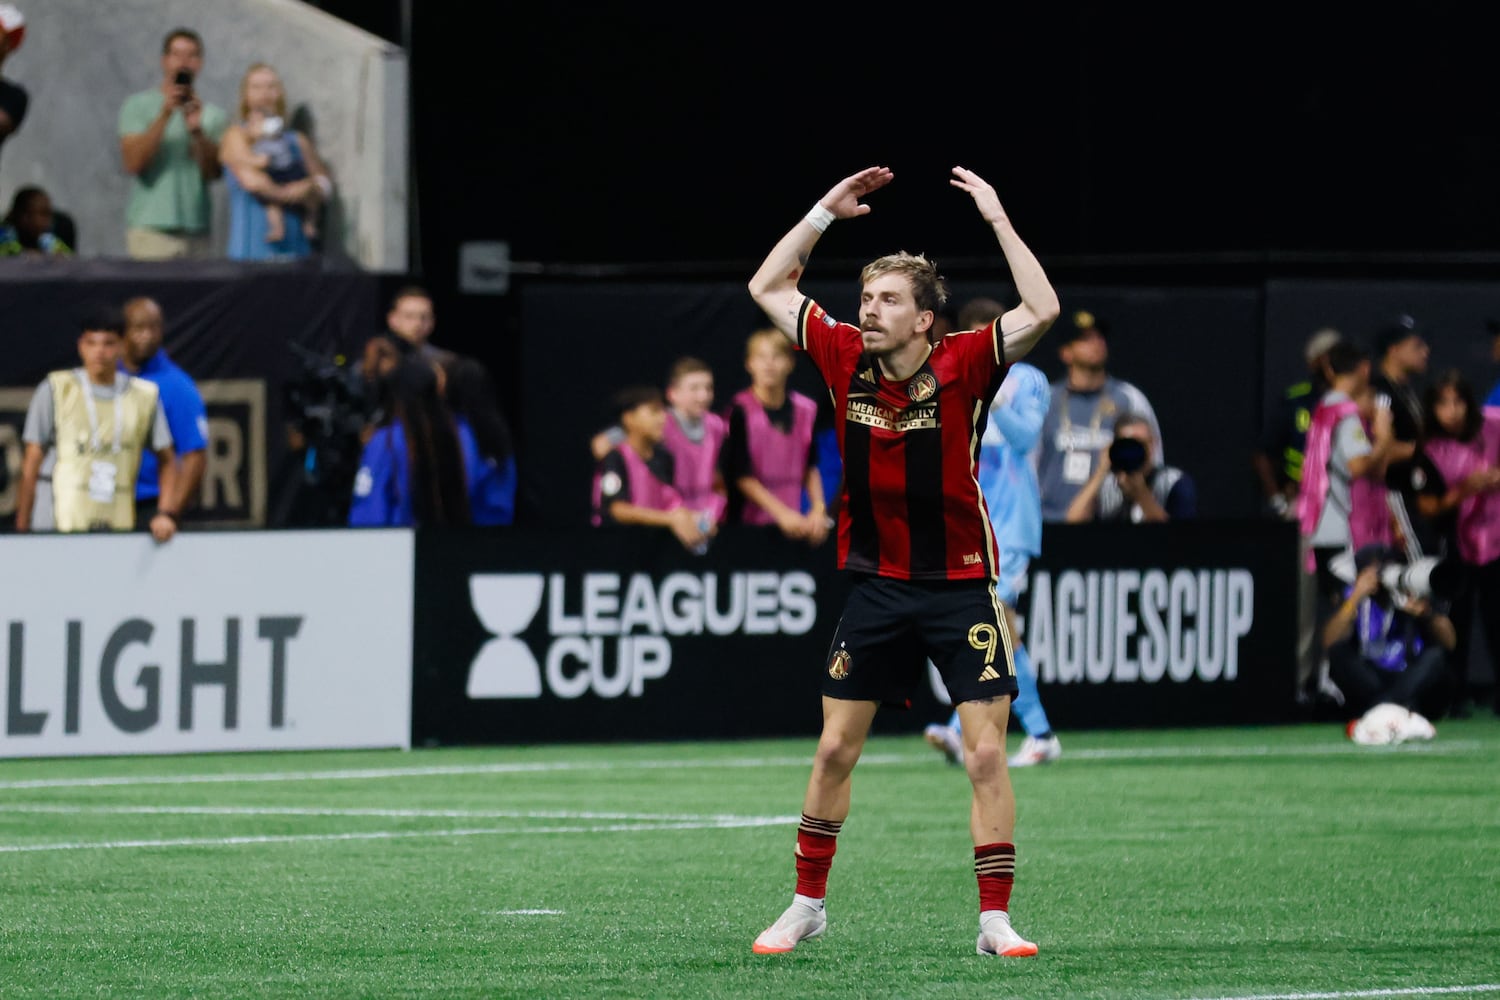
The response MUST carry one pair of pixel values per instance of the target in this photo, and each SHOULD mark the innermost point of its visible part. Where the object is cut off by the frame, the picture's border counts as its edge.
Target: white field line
(106, 845)
(1408, 991)
(45, 809)
(869, 760)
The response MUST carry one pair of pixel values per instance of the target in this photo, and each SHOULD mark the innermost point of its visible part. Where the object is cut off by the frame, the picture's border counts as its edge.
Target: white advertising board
(215, 641)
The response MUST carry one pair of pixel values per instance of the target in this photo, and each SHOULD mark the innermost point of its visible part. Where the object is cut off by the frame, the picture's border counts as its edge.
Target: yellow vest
(135, 408)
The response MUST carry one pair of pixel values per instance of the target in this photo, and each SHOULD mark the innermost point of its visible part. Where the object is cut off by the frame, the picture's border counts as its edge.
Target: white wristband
(819, 217)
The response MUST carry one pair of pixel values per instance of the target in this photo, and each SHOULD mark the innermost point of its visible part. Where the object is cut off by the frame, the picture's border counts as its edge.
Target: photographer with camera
(1129, 487)
(169, 144)
(1386, 643)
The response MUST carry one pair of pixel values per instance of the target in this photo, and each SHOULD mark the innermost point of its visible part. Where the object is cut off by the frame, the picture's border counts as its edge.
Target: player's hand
(792, 524)
(1417, 607)
(163, 527)
(843, 198)
(1482, 481)
(984, 196)
(192, 115)
(1133, 484)
(817, 528)
(684, 524)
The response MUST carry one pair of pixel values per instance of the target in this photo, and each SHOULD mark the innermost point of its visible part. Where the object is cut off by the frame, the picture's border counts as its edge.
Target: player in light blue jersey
(1007, 475)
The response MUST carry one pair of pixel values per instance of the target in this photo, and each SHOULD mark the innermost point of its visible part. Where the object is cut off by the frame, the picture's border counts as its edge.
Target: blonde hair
(245, 90)
(772, 336)
(928, 288)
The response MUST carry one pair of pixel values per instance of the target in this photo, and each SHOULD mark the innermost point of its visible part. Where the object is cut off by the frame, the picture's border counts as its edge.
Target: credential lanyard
(93, 412)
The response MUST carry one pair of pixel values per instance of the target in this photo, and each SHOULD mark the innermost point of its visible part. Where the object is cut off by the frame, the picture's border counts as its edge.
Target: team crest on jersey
(838, 667)
(922, 387)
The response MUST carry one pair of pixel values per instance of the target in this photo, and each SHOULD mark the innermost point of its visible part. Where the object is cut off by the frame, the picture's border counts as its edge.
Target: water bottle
(704, 524)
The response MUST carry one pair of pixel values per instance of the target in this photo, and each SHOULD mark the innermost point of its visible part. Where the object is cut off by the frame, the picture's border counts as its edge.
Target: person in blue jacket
(412, 469)
(181, 401)
(1007, 476)
(489, 449)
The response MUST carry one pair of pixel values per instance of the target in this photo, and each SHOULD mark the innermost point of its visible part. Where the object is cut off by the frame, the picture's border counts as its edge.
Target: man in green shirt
(169, 144)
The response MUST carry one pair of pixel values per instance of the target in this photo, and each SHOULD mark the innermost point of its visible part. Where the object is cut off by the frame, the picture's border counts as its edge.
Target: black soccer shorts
(891, 628)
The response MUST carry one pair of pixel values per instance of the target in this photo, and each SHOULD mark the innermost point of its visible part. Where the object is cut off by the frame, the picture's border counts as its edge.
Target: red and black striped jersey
(912, 508)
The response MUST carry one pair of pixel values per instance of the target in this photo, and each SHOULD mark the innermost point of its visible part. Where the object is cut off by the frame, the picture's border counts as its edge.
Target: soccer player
(913, 533)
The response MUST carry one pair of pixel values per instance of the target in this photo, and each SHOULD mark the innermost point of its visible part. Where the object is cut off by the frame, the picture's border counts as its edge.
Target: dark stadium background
(1213, 145)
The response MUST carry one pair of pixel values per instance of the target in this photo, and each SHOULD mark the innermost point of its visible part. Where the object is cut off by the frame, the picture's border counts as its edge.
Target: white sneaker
(998, 937)
(1035, 751)
(798, 923)
(946, 741)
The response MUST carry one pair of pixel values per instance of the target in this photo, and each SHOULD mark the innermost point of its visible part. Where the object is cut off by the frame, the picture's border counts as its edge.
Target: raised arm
(1024, 325)
(774, 286)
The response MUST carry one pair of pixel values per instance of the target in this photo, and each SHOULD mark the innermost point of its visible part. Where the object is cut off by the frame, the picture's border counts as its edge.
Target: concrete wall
(346, 87)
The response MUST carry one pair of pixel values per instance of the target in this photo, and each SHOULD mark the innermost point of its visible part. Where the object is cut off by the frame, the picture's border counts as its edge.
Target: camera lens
(1126, 455)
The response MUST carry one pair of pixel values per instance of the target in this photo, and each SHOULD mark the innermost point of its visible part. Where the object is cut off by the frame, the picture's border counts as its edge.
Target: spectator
(694, 435)
(1493, 326)
(1339, 453)
(169, 143)
(1007, 477)
(1130, 486)
(181, 403)
(277, 182)
(633, 482)
(13, 97)
(1383, 647)
(768, 455)
(1080, 421)
(412, 470)
(113, 418)
(489, 448)
(408, 326)
(28, 227)
(1277, 461)
(1401, 355)
(1459, 468)
(1277, 458)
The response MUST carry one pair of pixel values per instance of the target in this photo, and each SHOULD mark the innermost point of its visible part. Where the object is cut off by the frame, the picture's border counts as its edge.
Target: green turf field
(1206, 863)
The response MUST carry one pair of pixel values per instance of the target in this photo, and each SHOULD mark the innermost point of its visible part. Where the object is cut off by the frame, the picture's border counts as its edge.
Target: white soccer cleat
(1382, 725)
(798, 923)
(946, 741)
(1417, 727)
(1035, 751)
(998, 937)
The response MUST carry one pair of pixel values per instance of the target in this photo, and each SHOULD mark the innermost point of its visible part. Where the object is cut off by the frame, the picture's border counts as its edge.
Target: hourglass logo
(505, 604)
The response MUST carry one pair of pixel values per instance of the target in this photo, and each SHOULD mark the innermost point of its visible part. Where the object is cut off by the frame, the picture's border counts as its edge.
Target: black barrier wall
(566, 636)
(228, 324)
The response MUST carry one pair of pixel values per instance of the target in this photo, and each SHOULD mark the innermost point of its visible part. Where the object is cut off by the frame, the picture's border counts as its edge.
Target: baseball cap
(1397, 330)
(12, 24)
(1084, 322)
(1320, 343)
